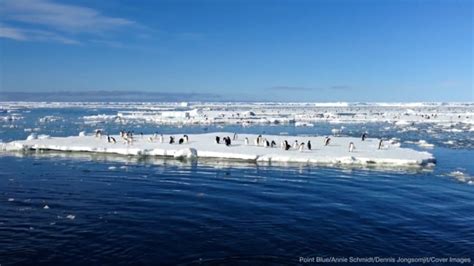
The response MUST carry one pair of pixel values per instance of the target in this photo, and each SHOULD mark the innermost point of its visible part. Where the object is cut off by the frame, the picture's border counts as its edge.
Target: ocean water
(78, 208)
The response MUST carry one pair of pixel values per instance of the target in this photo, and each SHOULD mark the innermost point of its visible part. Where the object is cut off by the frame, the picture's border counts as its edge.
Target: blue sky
(338, 50)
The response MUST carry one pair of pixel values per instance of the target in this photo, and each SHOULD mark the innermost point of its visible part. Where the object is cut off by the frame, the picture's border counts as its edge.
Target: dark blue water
(123, 210)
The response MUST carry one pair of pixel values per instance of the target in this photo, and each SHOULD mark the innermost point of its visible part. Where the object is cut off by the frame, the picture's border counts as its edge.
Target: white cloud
(67, 18)
(19, 34)
(11, 33)
(44, 20)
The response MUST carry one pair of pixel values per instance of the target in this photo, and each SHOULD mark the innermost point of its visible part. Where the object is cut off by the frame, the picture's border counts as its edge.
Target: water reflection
(217, 163)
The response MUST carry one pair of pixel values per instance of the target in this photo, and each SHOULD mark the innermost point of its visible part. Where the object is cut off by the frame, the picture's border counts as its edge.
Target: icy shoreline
(204, 146)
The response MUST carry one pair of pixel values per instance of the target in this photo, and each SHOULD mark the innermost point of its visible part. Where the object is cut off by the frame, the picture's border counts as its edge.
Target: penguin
(141, 134)
(113, 140)
(326, 141)
(351, 147)
(171, 139)
(108, 139)
(364, 136)
(287, 146)
(380, 144)
(181, 140)
(256, 141)
(186, 138)
(161, 138)
(129, 137)
(259, 139)
(98, 133)
(282, 144)
(150, 139)
(267, 143)
(227, 141)
(128, 140)
(308, 145)
(235, 136)
(246, 141)
(295, 144)
(273, 144)
(218, 140)
(301, 148)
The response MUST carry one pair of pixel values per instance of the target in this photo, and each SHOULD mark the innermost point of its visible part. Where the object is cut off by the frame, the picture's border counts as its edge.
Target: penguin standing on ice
(161, 138)
(295, 144)
(267, 143)
(301, 148)
(171, 139)
(181, 141)
(246, 141)
(326, 141)
(257, 141)
(113, 140)
(186, 138)
(364, 136)
(351, 147)
(108, 139)
(282, 144)
(127, 140)
(273, 144)
(98, 133)
(235, 136)
(380, 144)
(287, 146)
(218, 140)
(227, 141)
(309, 145)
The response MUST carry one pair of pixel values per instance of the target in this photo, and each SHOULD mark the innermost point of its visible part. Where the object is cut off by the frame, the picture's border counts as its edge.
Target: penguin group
(156, 137)
(184, 139)
(227, 140)
(261, 141)
(111, 139)
(172, 140)
(127, 136)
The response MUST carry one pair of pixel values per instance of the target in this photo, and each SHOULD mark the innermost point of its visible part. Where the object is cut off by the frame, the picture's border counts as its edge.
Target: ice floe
(462, 177)
(242, 147)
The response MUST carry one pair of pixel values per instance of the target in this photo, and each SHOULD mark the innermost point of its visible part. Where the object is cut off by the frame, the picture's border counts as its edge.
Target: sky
(242, 50)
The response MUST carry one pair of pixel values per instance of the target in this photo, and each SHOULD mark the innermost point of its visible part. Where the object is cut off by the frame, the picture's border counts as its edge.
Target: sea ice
(205, 146)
